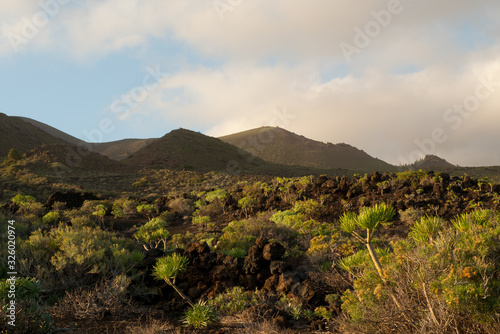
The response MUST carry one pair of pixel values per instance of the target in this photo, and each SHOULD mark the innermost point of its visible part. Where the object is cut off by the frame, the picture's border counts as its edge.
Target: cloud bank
(398, 79)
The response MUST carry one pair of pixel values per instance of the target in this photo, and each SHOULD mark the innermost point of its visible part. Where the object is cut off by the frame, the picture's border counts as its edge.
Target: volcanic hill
(188, 150)
(22, 136)
(280, 146)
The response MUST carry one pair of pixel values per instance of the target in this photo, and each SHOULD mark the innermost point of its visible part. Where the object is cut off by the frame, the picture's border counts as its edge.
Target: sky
(398, 79)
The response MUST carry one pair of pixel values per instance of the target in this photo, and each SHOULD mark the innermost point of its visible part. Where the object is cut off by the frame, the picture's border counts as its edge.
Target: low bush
(67, 257)
(108, 297)
(200, 315)
(152, 234)
(181, 206)
(235, 300)
(445, 279)
(29, 314)
(240, 235)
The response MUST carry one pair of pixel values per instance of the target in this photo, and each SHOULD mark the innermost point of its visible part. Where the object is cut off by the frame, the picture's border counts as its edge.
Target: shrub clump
(446, 277)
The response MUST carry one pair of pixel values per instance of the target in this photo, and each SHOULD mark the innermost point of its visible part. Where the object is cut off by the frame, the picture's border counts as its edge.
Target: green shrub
(51, 218)
(117, 210)
(147, 210)
(28, 205)
(212, 210)
(26, 288)
(201, 221)
(449, 282)
(13, 156)
(124, 207)
(201, 315)
(30, 317)
(152, 234)
(412, 175)
(167, 268)
(288, 218)
(322, 312)
(235, 300)
(311, 209)
(294, 309)
(216, 195)
(302, 219)
(23, 200)
(61, 258)
(427, 228)
(237, 252)
(82, 221)
(247, 204)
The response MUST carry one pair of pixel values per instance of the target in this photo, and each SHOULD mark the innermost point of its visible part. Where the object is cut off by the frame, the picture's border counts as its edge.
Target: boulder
(72, 199)
(253, 261)
(273, 251)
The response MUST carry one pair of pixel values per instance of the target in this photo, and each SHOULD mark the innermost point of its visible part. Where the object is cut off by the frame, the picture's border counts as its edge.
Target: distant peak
(432, 161)
(181, 131)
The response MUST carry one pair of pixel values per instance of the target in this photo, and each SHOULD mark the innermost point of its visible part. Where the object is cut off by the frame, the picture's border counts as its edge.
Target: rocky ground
(264, 268)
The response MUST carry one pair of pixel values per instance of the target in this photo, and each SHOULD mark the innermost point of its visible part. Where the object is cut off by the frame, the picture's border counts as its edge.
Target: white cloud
(274, 54)
(385, 115)
(292, 30)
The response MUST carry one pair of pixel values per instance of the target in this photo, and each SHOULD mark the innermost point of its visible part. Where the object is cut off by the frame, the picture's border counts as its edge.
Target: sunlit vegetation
(413, 252)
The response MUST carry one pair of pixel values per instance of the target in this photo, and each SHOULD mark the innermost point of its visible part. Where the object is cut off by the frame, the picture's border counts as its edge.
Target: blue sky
(380, 76)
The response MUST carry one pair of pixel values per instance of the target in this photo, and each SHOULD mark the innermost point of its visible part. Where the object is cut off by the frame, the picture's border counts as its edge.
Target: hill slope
(70, 158)
(432, 162)
(283, 147)
(22, 136)
(120, 149)
(52, 131)
(188, 150)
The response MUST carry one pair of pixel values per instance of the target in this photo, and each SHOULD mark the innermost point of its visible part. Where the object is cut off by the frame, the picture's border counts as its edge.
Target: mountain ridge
(52, 131)
(254, 149)
(184, 149)
(22, 136)
(281, 146)
(121, 149)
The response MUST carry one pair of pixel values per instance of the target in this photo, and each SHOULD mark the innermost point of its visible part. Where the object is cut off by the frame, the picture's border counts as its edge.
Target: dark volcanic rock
(72, 199)
(195, 248)
(273, 251)
(304, 292)
(277, 267)
(261, 243)
(253, 261)
(287, 280)
(271, 283)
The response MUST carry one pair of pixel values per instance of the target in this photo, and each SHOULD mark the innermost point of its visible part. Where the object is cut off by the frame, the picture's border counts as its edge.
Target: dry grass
(107, 298)
(152, 326)
(241, 324)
